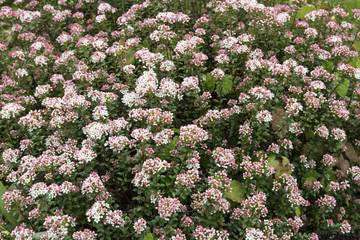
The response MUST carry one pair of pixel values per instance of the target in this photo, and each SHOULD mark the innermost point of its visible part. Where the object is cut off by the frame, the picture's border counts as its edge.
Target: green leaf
(8, 215)
(356, 46)
(280, 167)
(340, 145)
(351, 4)
(236, 191)
(169, 147)
(5, 233)
(310, 179)
(272, 162)
(210, 82)
(343, 88)
(283, 167)
(149, 236)
(309, 134)
(331, 174)
(176, 130)
(305, 10)
(329, 66)
(297, 211)
(285, 160)
(227, 84)
(312, 174)
(36, 236)
(353, 64)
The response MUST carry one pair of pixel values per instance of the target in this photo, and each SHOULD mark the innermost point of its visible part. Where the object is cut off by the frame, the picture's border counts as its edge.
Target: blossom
(92, 184)
(293, 107)
(140, 225)
(253, 233)
(345, 227)
(167, 206)
(151, 167)
(338, 134)
(95, 130)
(322, 131)
(264, 116)
(188, 179)
(328, 160)
(202, 233)
(141, 134)
(10, 110)
(326, 201)
(224, 158)
(97, 211)
(192, 134)
(117, 143)
(86, 234)
(218, 73)
(22, 233)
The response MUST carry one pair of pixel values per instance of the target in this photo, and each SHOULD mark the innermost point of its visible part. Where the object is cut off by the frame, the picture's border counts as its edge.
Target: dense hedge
(178, 119)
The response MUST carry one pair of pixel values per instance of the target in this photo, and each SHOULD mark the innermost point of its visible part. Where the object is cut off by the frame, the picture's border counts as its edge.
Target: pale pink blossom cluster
(22, 232)
(117, 143)
(252, 168)
(192, 134)
(338, 134)
(150, 168)
(345, 227)
(95, 130)
(163, 137)
(355, 174)
(261, 93)
(322, 131)
(293, 107)
(253, 206)
(212, 198)
(224, 158)
(86, 234)
(202, 233)
(57, 226)
(188, 179)
(253, 233)
(328, 160)
(264, 116)
(10, 110)
(33, 120)
(167, 206)
(140, 226)
(93, 184)
(326, 201)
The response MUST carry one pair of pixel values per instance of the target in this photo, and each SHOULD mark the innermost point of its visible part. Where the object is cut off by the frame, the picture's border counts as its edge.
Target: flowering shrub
(169, 119)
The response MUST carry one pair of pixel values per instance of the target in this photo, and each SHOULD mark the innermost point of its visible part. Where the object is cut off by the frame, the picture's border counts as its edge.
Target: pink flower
(167, 206)
(328, 160)
(326, 201)
(202, 233)
(218, 73)
(21, 232)
(224, 158)
(86, 234)
(345, 227)
(192, 134)
(140, 225)
(264, 116)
